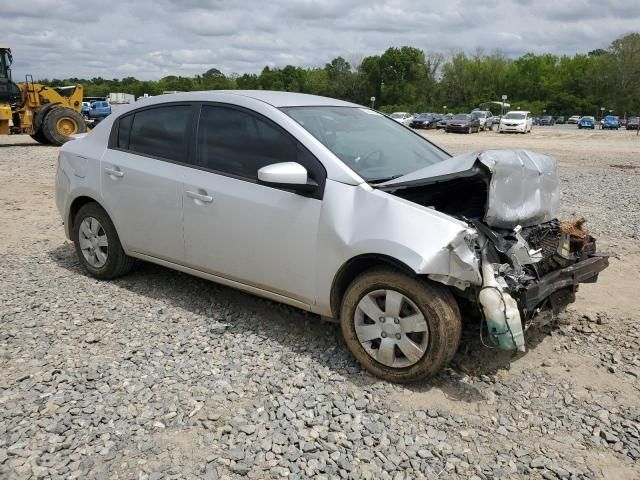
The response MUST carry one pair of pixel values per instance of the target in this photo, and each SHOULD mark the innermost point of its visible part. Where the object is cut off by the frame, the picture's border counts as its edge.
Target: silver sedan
(327, 206)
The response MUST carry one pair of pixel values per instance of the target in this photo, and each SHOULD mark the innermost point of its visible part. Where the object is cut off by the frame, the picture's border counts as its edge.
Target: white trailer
(120, 98)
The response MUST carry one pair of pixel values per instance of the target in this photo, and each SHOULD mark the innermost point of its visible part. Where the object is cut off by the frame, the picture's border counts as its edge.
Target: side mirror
(289, 175)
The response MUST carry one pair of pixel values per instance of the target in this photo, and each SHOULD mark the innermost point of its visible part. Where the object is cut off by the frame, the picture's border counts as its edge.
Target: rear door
(238, 229)
(142, 174)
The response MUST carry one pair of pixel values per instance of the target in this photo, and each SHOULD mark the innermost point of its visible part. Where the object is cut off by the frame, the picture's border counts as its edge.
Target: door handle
(199, 196)
(115, 173)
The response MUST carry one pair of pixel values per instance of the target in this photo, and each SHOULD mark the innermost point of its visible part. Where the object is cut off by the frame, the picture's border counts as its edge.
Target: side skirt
(225, 281)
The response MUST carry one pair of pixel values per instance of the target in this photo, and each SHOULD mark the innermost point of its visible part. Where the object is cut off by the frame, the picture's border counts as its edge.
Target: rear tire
(100, 252)
(433, 304)
(60, 123)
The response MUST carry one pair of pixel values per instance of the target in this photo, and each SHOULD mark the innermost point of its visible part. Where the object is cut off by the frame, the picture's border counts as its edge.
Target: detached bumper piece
(559, 286)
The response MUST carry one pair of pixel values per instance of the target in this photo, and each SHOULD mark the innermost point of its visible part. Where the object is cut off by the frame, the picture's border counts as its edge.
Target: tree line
(410, 79)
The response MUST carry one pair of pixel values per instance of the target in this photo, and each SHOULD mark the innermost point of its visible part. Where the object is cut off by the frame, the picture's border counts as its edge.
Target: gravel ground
(161, 375)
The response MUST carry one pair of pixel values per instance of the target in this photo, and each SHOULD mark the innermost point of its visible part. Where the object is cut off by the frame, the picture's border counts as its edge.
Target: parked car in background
(516, 121)
(442, 123)
(485, 117)
(99, 110)
(560, 120)
(611, 122)
(632, 123)
(547, 121)
(402, 117)
(574, 119)
(587, 122)
(623, 122)
(463, 123)
(425, 120)
(385, 232)
(84, 110)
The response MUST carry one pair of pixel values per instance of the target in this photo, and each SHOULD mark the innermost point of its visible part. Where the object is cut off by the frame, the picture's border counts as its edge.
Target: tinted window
(124, 127)
(161, 132)
(239, 143)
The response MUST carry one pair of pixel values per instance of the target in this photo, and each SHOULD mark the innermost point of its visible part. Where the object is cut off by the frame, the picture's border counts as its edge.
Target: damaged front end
(537, 268)
(530, 261)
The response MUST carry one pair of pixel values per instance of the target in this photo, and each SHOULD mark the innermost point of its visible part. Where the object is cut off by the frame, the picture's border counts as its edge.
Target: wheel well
(77, 204)
(354, 267)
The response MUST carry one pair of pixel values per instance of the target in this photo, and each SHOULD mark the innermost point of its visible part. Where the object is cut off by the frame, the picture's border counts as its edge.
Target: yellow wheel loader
(50, 115)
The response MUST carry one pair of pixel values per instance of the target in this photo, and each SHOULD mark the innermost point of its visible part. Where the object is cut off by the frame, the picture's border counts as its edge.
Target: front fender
(360, 220)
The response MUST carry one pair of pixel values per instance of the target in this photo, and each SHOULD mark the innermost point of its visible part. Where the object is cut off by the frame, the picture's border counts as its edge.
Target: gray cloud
(149, 39)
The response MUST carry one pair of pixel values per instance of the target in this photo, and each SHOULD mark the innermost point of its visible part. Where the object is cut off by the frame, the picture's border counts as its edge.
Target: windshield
(515, 116)
(375, 147)
(397, 115)
(461, 116)
(610, 117)
(478, 114)
(425, 116)
(590, 119)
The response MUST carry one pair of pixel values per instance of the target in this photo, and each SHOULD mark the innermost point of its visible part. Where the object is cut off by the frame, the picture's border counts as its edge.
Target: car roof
(276, 99)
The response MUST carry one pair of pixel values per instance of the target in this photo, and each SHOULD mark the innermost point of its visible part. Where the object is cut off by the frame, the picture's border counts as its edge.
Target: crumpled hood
(523, 186)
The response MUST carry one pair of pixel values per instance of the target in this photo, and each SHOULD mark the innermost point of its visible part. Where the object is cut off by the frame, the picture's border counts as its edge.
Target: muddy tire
(400, 328)
(60, 123)
(39, 137)
(97, 243)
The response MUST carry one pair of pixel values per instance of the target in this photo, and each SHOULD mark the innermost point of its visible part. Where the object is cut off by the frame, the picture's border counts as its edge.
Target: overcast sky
(149, 39)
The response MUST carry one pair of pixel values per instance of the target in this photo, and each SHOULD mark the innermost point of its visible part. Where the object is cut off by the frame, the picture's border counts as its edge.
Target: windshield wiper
(385, 179)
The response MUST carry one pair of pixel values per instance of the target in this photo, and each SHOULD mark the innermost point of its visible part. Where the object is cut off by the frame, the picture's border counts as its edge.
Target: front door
(238, 229)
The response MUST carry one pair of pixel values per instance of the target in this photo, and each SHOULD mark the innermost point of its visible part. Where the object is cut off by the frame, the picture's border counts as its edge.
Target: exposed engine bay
(530, 261)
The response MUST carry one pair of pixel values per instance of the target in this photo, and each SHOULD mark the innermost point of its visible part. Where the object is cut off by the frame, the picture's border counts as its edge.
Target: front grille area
(546, 237)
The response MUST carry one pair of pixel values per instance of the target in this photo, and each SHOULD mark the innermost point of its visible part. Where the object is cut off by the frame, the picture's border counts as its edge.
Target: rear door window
(160, 132)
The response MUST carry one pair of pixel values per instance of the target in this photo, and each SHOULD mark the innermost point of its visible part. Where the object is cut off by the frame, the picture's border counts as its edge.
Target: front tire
(400, 328)
(97, 243)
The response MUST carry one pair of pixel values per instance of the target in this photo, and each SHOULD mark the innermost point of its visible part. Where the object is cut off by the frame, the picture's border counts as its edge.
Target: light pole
(445, 109)
(504, 97)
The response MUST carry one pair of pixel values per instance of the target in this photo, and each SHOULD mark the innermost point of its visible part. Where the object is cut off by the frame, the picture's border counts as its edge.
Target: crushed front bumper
(565, 281)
